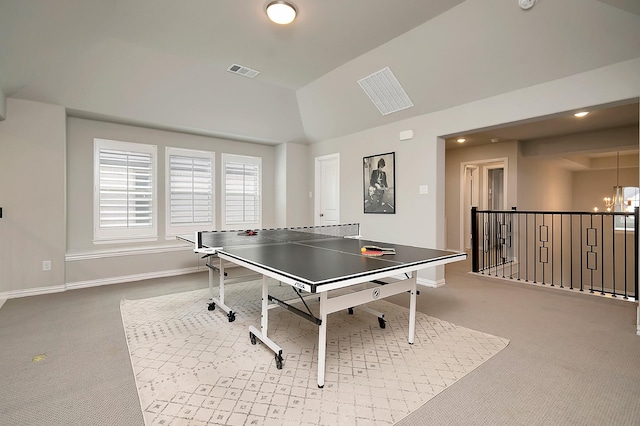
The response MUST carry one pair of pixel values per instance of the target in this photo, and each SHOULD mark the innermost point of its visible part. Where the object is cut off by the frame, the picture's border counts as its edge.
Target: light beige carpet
(193, 367)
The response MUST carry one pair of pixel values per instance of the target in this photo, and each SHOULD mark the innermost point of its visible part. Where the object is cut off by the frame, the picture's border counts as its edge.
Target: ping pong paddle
(249, 232)
(376, 251)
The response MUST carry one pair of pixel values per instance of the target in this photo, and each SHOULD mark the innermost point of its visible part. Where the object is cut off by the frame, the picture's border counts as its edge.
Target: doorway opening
(483, 185)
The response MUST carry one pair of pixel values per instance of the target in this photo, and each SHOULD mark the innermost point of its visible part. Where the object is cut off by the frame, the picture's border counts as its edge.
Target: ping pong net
(212, 241)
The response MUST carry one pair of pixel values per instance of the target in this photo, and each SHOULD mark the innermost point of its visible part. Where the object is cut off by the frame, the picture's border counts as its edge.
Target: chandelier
(616, 203)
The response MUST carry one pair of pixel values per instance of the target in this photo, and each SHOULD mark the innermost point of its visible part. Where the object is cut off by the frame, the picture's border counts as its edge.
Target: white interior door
(470, 199)
(495, 183)
(327, 187)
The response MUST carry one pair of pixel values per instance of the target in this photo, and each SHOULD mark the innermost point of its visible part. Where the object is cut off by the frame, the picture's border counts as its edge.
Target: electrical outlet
(46, 265)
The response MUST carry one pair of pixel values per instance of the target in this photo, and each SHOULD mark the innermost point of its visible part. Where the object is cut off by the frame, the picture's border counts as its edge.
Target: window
(242, 185)
(124, 191)
(189, 189)
(631, 198)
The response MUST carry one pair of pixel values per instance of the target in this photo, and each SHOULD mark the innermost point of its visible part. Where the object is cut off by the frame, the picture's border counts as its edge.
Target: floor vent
(239, 69)
(385, 91)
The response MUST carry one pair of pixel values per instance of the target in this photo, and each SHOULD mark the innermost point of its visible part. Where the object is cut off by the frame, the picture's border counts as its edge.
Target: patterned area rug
(195, 368)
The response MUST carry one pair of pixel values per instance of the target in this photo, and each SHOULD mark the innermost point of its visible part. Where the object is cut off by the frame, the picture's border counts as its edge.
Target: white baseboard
(146, 276)
(431, 283)
(423, 281)
(94, 283)
(134, 251)
(130, 278)
(32, 292)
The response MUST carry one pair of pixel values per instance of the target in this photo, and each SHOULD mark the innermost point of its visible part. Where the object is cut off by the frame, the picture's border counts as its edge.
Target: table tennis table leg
(221, 282)
(322, 339)
(261, 334)
(220, 300)
(212, 305)
(412, 307)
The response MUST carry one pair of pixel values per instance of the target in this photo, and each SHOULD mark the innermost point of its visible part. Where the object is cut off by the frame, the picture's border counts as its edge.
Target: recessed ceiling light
(581, 113)
(281, 12)
(461, 140)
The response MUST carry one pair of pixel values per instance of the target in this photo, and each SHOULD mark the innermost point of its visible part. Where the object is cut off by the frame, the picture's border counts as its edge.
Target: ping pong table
(320, 262)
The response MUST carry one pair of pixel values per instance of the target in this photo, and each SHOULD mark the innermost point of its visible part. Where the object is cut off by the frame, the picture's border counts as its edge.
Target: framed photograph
(379, 183)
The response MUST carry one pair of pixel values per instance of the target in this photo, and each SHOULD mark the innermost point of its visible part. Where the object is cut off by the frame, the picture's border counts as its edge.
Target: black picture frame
(379, 183)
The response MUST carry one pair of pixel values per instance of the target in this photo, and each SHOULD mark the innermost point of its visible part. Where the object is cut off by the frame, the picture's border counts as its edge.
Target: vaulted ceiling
(164, 64)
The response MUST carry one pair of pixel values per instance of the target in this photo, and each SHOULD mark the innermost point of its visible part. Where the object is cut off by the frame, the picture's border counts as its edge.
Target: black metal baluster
(636, 239)
(492, 236)
(474, 239)
(484, 242)
(503, 257)
(581, 256)
(487, 230)
(625, 257)
(535, 260)
(553, 223)
(602, 254)
(518, 242)
(613, 251)
(526, 248)
(561, 250)
(590, 251)
(571, 217)
(511, 245)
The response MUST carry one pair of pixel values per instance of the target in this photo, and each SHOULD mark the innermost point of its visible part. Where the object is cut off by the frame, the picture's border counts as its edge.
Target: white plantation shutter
(242, 190)
(125, 190)
(189, 190)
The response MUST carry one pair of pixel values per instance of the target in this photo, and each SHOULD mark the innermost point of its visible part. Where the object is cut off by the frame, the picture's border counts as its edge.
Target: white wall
(590, 187)
(421, 161)
(298, 186)
(81, 133)
(543, 185)
(32, 195)
(88, 262)
(39, 130)
(138, 85)
(478, 49)
(280, 181)
(291, 185)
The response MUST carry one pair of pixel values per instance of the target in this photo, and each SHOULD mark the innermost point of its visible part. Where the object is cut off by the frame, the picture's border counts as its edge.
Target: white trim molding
(424, 281)
(130, 278)
(136, 251)
(32, 292)
(96, 283)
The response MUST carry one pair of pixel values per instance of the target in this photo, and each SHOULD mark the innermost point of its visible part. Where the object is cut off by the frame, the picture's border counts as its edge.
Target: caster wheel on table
(231, 316)
(252, 337)
(212, 306)
(279, 362)
(350, 311)
(382, 322)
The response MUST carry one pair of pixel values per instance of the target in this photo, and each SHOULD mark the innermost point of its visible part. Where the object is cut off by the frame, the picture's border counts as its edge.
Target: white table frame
(330, 305)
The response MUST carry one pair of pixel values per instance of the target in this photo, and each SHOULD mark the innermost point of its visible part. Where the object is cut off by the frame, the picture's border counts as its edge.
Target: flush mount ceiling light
(461, 140)
(581, 114)
(281, 12)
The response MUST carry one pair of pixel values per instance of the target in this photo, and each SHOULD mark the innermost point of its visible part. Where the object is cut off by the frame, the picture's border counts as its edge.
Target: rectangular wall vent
(385, 91)
(245, 71)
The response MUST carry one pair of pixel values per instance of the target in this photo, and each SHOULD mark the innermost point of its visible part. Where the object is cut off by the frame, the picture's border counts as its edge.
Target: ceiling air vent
(239, 69)
(385, 91)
